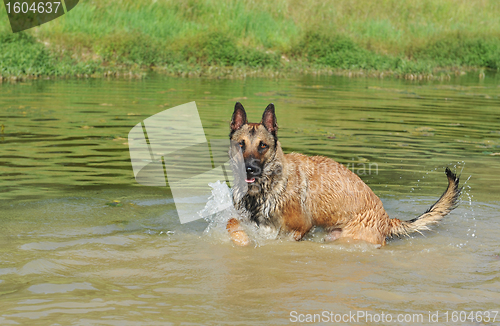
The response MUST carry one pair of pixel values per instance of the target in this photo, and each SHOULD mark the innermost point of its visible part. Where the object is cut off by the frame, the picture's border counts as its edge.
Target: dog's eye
(263, 145)
(242, 143)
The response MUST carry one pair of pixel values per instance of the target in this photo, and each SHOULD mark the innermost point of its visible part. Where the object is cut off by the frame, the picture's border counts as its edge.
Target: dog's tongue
(250, 180)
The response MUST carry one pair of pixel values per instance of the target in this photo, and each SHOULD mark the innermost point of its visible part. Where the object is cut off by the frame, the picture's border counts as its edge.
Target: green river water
(70, 255)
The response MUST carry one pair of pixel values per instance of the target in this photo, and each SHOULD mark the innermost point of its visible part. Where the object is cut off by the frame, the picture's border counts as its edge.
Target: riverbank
(233, 39)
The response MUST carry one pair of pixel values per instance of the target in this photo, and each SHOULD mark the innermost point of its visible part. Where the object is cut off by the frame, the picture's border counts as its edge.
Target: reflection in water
(67, 257)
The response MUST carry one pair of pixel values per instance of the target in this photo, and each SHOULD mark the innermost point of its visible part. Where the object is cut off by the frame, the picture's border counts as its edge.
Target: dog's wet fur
(292, 193)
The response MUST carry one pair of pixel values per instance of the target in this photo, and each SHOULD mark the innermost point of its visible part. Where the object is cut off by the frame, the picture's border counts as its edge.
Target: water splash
(471, 232)
(465, 201)
(219, 209)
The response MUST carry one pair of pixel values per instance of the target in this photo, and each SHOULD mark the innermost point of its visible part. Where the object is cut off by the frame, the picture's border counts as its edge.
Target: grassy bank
(399, 37)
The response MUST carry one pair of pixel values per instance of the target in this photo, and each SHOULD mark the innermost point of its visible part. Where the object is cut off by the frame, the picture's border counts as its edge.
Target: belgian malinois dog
(292, 193)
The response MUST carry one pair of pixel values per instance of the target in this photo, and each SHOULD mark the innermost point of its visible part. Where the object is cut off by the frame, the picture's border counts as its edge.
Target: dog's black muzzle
(252, 169)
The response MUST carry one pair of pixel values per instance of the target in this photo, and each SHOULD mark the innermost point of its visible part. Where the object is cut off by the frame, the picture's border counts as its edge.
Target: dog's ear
(239, 117)
(269, 119)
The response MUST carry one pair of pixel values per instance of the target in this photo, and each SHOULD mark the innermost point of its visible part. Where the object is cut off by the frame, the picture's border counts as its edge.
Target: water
(82, 243)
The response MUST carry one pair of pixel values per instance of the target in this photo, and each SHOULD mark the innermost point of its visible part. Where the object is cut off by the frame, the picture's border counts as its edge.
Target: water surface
(68, 255)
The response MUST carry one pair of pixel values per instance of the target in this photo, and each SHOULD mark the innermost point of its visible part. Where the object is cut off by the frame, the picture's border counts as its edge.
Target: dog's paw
(240, 238)
(237, 234)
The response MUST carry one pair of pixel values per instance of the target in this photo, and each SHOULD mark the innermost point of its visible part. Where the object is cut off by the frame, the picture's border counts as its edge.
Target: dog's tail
(445, 204)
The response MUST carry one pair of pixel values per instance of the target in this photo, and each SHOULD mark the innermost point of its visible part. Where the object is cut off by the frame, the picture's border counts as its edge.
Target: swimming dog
(292, 193)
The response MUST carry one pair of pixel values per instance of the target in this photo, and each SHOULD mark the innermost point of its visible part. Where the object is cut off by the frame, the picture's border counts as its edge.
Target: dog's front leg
(237, 234)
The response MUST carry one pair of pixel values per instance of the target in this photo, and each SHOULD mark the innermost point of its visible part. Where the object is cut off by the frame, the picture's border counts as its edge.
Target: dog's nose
(250, 170)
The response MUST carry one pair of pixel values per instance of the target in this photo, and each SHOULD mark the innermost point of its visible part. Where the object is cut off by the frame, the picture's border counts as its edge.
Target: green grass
(396, 36)
(21, 55)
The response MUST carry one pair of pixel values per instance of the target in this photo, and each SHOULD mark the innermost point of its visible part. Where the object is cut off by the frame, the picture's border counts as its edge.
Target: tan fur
(238, 236)
(295, 192)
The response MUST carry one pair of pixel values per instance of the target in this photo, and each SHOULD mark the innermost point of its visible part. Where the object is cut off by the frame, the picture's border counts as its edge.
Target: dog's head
(258, 141)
